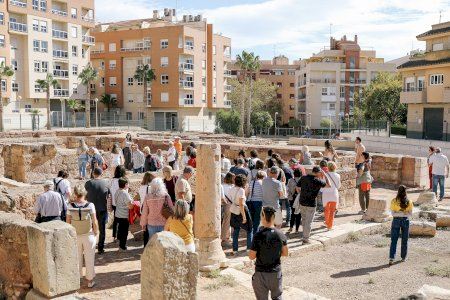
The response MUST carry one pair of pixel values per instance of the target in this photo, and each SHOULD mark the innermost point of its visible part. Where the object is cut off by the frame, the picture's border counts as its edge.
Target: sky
(299, 28)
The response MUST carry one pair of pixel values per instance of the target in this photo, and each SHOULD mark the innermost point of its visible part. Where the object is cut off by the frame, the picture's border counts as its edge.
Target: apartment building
(327, 81)
(280, 73)
(426, 87)
(190, 63)
(39, 37)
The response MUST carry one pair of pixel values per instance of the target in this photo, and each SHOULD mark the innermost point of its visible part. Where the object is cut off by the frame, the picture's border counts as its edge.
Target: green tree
(249, 63)
(108, 101)
(325, 123)
(74, 106)
(380, 100)
(5, 72)
(45, 85)
(87, 76)
(145, 74)
(261, 120)
(228, 120)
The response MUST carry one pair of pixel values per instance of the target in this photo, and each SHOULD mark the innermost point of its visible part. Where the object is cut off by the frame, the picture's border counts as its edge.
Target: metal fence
(24, 121)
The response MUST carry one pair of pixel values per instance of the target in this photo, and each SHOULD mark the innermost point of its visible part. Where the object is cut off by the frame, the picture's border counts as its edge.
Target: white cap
(48, 183)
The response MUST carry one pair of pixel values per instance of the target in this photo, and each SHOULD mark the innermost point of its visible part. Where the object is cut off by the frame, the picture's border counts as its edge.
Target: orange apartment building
(281, 73)
(190, 63)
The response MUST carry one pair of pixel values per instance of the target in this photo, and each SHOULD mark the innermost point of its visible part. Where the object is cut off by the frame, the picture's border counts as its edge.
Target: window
(164, 61)
(44, 66)
(37, 66)
(279, 96)
(324, 91)
(436, 79)
(189, 99)
(27, 107)
(214, 49)
(190, 44)
(279, 84)
(102, 65)
(291, 96)
(112, 64)
(140, 82)
(37, 89)
(129, 116)
(102, 81)
(130, 98)
(2, 18)
(164, 44)
(15, 86)
(203, 64)
(74, 69)
(36, 46)
(74, 31)
(14, 64)
(35, 25)
(83, 52)
(44, 46)
(420, 83)
(164, 97)
(2, 40)
(112, 47)
(164, 79)
(332, 106)
(141, 115)
(130, 81)
(74, 51)
(43, 25)
(43, 5)
(3, 85)
(74, 88)
(203, 47)
(352, 62)
(73, 13)
(278, 72)
(35, 4)
(204, 81)
(438, 47)
(342, 92)
(112, 81)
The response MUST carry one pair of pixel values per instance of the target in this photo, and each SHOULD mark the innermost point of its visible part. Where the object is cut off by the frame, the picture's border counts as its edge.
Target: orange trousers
(330, 209)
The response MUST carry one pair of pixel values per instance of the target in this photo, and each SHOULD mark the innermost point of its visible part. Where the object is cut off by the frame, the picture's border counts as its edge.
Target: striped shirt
(255, 190)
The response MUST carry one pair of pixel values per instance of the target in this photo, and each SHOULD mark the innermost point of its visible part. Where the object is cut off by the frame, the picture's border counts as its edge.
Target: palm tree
(249, 64)
(5, 72)
(74, 106)
(146, 74)
(45, 85)
(88, 75)
(108, 101)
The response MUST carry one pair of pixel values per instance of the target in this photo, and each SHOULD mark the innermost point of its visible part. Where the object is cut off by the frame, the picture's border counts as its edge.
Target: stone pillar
(378, 211)
(168, 271)
(53, 259)
(207, 220)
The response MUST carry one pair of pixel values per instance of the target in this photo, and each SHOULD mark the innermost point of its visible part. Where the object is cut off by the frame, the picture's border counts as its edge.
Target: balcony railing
(227, 73)
(413, 95)
(60, 54)
(325, 80)
(135, 48)
(59, 34)
(186, 84)
(98, 51)
(227, 102)
(88, 39)
(87, 19)
(19, 27)
(58, 12)
(61, 73)
(18, 3)
(61, 93)
(186, 67)
(301, 96)
(227, 88)
(354, 81)
(188, 101)
(189, 47)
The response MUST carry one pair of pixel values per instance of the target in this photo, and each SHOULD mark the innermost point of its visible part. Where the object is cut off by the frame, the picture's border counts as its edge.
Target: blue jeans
(288, 209)
(255, 208)
(138, 170)
(236, 238)
(82, 168)
(399, 224)
(153, 229)
(439, 179)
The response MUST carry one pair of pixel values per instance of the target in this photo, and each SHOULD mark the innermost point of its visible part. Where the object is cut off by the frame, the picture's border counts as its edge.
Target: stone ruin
(378, 210)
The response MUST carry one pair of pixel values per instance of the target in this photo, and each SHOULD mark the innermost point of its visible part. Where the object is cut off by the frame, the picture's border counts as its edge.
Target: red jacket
(135, 212)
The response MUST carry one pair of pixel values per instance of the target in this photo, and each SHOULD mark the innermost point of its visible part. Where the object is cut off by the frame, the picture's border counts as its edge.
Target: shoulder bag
(166, 210)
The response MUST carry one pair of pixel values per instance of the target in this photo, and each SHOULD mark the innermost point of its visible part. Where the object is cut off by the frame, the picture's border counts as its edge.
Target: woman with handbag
(157, 207)
(181, 223)
(240, 216)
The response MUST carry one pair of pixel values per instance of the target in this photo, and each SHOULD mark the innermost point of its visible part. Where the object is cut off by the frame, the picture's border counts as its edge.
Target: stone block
(428, 198)
(53, 258)
(378, 211)
(443, 221)
(422, 228)
(168, 271)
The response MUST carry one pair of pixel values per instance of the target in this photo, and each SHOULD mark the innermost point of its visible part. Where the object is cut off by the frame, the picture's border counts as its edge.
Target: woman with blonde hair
(305, 156)
(330, 195)
(169, 181)
(151, 218)
(181, 224)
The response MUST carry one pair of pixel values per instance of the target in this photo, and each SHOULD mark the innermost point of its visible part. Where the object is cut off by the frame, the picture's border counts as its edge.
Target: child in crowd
(401, 208)
(124, 202)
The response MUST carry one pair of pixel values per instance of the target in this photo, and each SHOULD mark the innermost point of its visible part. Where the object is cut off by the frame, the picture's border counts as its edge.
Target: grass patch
(371, 281)
(426, 207)
(221, 282)
(440, 271)
(353, 237)
(382, 243)
(213, 274)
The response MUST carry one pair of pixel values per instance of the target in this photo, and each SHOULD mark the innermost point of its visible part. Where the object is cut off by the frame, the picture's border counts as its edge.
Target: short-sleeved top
(97, 193)
(182, 228)
(171, 154)
(234, 194)
(309, 189)
(50, 204)
(96, 158)
(268, 244)
(143, 192)
(62, 186)
(255, 190)
(239, 171)
(271, 188)
(73, 211)
(183, 186)
(116, 159)
(438, 161)
(170, 186)
(114, 188)
(122, 201)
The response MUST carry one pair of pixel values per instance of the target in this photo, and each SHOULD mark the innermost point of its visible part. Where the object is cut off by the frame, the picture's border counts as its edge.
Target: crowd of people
(254, 192)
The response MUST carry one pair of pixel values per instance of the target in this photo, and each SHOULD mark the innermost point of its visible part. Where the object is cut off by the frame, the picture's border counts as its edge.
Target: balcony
(302, 82)
(325, 80)
(227, 88)
(88, 19)
(186, 85)
(61, 73)
(18, 27)
(98, 51)
(138, 47)
(88, 39)
(59, 12)
(60, 54)
(59, 34)
(18, 3)
(188, 101)
(413, 96)
(187, 67)
(227, 73)
(227, 103)
(60, 93)
(354, 81)
(301, 96)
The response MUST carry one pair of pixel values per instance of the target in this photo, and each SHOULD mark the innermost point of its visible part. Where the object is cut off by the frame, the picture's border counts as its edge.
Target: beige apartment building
(190, 63)
(426, 87)
(327, 81)
(39, 37)
(281, 74)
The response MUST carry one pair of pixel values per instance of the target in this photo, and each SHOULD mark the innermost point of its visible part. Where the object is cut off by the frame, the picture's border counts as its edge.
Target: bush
(261, 120)
(398, 129)
(228, 121)
(325, 123)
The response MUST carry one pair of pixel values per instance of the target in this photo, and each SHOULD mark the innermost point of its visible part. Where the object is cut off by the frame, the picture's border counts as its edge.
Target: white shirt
(74, 211)
(143, 189)
(116, 159)
(62, 186)
(331, 194)
(226, 165)
(114, 188)
(439, 162)
(49, 204)
(236, 193)
(171, 154)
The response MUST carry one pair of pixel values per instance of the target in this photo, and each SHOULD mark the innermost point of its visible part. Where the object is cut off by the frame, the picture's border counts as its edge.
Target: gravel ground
(360, 270)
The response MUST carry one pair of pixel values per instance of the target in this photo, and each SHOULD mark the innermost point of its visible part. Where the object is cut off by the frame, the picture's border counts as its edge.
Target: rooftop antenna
(440, 16)
(331, 25)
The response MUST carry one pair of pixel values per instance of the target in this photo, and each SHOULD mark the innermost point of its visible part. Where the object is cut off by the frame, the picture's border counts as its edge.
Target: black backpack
(251, 164)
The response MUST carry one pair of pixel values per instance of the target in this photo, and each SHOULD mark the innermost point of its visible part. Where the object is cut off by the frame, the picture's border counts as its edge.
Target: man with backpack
(62, 185)
(98, 193)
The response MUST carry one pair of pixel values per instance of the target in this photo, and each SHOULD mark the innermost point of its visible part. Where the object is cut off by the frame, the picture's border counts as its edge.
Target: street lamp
(96, 112)
(329, 118)
(62, 111)
(348, 122)
(276, 114)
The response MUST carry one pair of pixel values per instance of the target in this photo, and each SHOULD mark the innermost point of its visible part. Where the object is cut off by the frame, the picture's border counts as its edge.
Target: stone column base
(210, 252)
